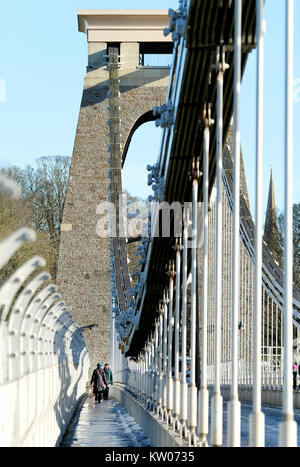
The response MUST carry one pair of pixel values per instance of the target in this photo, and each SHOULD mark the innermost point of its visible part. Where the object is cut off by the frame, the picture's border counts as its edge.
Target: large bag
(101, 381)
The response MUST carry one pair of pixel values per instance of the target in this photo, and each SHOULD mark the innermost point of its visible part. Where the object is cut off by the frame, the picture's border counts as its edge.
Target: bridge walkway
(109, 425)
(105, 424)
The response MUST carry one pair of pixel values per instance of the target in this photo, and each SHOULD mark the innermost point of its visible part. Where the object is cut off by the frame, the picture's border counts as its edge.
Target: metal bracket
(195, 173)
(220, 66)
(166, 113)
(178, 21)
(156, 181)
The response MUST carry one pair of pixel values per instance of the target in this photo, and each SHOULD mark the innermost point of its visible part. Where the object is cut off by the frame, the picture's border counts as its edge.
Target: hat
(99, 365)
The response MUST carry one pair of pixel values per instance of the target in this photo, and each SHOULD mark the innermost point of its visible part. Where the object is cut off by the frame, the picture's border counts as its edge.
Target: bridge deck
(108, 425)
(103, 425)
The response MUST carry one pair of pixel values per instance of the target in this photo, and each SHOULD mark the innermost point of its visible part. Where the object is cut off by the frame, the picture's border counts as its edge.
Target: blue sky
(274, 108)
(42, 66)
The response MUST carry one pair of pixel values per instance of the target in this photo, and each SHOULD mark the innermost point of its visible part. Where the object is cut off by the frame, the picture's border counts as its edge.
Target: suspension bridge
(209, 319)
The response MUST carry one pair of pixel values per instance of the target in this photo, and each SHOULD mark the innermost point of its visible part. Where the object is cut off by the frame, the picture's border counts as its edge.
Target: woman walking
(99, 382)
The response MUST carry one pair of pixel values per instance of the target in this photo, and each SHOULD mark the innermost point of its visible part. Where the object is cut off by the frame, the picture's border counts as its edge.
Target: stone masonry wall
(84, 263)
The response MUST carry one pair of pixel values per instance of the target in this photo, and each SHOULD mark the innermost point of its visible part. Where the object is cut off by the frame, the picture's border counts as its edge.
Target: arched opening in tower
(141, 149)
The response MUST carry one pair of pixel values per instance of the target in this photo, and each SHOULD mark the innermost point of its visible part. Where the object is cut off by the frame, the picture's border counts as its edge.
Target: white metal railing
(43, 358)
(247, 317)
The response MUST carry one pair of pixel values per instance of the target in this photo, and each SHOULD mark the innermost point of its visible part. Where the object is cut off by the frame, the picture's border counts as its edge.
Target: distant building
(271, 232)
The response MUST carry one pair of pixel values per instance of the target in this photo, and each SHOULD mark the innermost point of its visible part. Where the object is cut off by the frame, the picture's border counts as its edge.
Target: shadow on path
(103, 425)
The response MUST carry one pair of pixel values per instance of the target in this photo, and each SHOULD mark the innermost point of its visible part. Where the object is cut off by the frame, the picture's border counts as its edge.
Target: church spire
(271, 233)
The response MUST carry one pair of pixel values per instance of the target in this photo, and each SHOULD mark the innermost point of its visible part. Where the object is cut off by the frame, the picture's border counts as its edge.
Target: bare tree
(296, 240)
(45, 189)
(43, 196)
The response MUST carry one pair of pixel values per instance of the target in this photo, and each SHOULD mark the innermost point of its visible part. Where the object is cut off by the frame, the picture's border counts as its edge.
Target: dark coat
(96, 380)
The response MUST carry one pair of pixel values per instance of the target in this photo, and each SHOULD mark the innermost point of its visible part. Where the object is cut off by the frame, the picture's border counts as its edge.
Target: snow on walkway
(103, 425)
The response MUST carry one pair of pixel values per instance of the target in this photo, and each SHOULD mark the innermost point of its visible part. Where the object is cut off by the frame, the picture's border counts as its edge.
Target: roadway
(109, 425)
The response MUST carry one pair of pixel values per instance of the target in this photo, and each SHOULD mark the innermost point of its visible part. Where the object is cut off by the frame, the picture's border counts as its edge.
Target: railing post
(184, 387)
(257, 419)
(176, 325)
(217, 399)
(144, 369)
(192, 418)
(150, 373)
(234, 406)
(138, 365)
(155, 368)
(164, 382)
(142, 384)
(112, 339)
(288, 426)
(170, 339)
(146, 374)
(141, 377)
(203, 393)
(160, 361)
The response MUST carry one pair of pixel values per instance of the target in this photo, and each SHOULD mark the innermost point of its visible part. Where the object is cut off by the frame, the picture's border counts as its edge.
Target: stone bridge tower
(84, 258)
